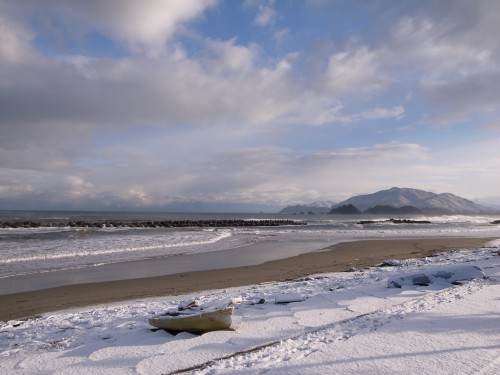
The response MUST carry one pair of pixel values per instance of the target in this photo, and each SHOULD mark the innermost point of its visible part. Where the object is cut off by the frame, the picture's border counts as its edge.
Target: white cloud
(76, 187)
(259, 174)
(224, 86)
(265, 15)
(143, 24)
(393, 151)
(230, 58)
(380, 113)
(456, 62)
(14, 41)
(355, 71)
(281, 34)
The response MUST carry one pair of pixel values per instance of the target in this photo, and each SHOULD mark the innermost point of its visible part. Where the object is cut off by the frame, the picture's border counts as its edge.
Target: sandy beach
(337, 258)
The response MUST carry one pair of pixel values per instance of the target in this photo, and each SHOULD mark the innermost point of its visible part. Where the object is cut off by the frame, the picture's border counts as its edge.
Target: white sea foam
(97, 248)
(76, 249)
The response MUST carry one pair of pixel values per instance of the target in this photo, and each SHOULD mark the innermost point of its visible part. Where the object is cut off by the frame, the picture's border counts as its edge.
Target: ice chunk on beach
(451, 274)
(289, 298)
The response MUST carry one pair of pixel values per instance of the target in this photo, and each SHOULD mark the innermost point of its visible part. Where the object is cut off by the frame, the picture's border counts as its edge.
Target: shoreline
(336, 258)
(246, 255)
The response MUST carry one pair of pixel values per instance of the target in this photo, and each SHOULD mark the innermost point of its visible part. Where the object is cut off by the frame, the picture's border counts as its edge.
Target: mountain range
(402, 200)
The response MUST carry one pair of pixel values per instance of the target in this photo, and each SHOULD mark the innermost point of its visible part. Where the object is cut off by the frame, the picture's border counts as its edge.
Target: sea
(31, 256)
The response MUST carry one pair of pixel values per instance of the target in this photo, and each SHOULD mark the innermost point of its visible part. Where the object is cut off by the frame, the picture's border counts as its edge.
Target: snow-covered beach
(59, 290)
(347, 323)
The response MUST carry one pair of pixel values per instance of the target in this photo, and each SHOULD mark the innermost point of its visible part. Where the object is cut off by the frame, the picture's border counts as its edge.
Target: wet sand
(247, 255)
(338, 258)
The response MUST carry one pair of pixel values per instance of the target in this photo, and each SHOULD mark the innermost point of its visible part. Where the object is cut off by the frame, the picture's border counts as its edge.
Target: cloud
(143, 26)
(281, 34)
(265, 16)
(257, 175)
(460, 99)
(14, 41)
(457, 61)
(177, 114)
(381, 113)
(74, 96)
(355, 70)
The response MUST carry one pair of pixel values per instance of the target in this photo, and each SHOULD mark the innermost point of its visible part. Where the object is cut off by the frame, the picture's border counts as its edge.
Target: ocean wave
(34, 250)
(96, 248)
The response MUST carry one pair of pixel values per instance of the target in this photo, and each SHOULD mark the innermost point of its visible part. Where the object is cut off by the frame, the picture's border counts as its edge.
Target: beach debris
(218, 304)
(450, 275)
(196, 304)
(398, 263)
(211, 319)
(188, 304)
(192, 315)
(389, 263)
(15, 323)
(288, 298)
(254, 301)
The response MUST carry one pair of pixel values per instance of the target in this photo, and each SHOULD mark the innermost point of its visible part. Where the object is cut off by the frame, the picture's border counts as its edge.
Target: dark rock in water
(407, 221)
(370, 221)
(311, 209)
(495, 222)
(153, 224)
(395, 221)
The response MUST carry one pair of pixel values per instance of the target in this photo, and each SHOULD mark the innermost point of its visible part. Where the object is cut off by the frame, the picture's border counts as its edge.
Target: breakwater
(151, 224)
(395, 221)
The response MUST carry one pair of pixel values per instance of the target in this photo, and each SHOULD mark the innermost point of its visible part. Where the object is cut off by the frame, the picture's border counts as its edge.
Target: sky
(245, 105)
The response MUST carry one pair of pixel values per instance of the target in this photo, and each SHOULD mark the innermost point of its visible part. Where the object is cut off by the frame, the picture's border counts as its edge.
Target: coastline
(336, 258)
(246, 255)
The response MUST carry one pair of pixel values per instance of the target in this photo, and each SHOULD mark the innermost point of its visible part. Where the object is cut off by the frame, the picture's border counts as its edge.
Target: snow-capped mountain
(322, 207)
(426, 201)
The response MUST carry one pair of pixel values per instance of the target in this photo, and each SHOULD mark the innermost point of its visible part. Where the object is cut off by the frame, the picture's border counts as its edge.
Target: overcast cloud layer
(143, 104)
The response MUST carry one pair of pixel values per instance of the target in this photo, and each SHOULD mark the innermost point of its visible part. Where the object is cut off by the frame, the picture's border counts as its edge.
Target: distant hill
(312, 208)
(347, 209)
(391, 210)
(424, 201)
